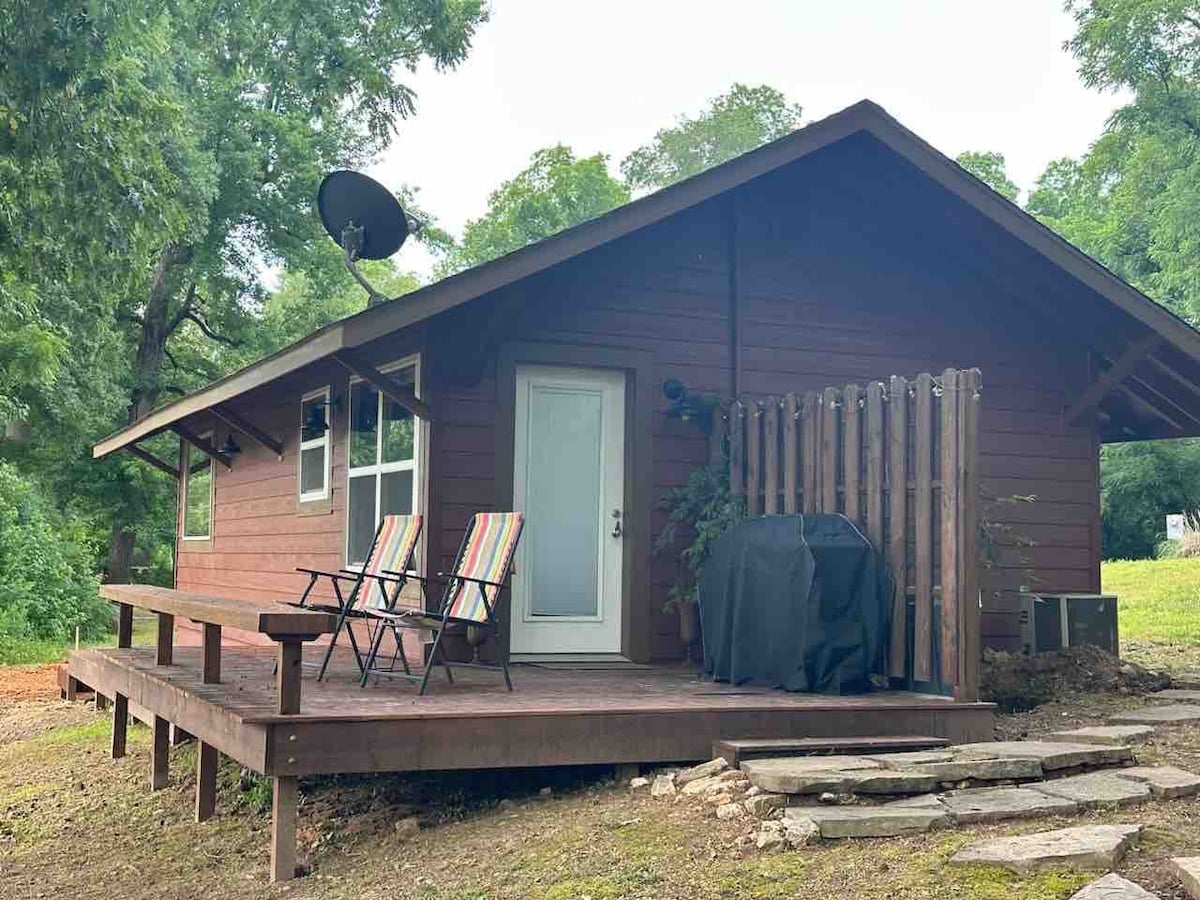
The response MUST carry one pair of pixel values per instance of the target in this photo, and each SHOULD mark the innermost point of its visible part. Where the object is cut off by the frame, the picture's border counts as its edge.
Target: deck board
(554, 716)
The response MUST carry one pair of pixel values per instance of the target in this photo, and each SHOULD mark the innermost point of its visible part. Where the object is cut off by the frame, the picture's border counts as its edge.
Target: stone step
(973, 805)
(1086, 847)
(1096, 789)
(867, 821)
(1187, 868)
(1113, 887)
(1175, 714)
(1177, 695)
(735, 751)
(1165, 782)
(1103, 734)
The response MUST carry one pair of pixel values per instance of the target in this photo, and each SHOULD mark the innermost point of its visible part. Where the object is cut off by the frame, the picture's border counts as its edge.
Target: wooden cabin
(846, 253)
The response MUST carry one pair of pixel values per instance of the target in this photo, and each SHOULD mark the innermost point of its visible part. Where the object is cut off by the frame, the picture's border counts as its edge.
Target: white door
(569, 481)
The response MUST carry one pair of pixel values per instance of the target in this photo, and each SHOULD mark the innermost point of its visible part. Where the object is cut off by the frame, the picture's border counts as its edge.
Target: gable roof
(1162, 327)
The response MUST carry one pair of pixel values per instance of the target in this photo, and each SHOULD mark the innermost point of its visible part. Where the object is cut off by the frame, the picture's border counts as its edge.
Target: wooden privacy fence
(901, 460)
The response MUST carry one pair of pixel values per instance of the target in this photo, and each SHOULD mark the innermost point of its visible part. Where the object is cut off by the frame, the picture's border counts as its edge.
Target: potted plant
(701, 510)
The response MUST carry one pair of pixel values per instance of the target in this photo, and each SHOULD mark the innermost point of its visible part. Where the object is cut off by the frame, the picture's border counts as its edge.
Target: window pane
(364, 424)
(312, 470)
(398, 424)
(197, 512)
(313, 423)
(360, 517)
(396, 495)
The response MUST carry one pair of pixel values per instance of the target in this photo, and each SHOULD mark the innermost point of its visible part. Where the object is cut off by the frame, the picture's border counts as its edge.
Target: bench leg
(160, 754)
(283, 827)
(206, 782)
(72, 689)
(101, 702)
(120, 724)
(287, 677)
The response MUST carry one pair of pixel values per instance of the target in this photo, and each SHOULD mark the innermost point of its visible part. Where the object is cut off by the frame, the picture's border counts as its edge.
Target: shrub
(48, 580)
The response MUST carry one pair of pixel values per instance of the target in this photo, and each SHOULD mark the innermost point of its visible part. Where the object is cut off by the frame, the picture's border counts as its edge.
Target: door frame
(640, 392)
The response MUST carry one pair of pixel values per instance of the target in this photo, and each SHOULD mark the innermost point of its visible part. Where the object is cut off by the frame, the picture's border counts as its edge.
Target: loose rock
(1084, 847)
(1188, 870)
(638, 783)
(762, 805)
(1112, 887)
(708, 769)
(728, 811)
(407, 828)
(663, 786)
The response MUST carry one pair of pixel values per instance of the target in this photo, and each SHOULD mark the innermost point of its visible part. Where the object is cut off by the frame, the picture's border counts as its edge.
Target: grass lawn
(19, 651)
(74, 823)
(1158, 610)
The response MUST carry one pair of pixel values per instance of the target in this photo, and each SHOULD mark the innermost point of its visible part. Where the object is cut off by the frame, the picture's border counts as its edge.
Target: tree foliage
(555, 191)
(734, 123)
(990, 169)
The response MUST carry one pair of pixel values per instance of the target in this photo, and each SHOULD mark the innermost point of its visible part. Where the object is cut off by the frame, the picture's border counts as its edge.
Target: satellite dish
(363, 218)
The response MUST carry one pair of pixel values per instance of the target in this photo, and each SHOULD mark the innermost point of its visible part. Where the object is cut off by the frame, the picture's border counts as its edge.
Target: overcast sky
(603, 77)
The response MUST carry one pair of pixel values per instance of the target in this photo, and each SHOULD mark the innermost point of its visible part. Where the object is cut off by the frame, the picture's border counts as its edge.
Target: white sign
(1175, 526)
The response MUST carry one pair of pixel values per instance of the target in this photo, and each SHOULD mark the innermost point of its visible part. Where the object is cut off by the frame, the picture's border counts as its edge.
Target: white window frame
(188, 449)
(313, 443)
(378, 470)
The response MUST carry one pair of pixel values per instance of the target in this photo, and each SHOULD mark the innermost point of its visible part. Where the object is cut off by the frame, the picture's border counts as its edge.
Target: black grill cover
(798, 602)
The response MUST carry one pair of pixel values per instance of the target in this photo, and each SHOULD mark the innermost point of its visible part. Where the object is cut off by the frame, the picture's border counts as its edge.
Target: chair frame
(346, 608)
(439, 622)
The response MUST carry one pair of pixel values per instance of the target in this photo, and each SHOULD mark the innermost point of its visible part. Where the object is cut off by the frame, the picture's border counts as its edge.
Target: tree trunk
(157, 325)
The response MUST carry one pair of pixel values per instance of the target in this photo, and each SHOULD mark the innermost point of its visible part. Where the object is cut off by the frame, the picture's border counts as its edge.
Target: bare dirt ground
(74, 823)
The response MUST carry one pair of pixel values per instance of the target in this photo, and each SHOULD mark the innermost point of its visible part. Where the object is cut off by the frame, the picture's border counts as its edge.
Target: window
(314, 446)
(383, 454)
(197, 492)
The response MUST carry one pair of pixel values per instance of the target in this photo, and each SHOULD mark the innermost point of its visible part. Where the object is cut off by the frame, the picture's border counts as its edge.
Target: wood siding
(849, 270)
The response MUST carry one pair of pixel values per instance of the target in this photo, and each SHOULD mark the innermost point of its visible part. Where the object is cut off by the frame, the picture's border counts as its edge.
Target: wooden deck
(555, 716)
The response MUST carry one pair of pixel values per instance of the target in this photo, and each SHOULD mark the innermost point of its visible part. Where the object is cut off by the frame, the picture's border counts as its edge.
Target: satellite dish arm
(351, 244)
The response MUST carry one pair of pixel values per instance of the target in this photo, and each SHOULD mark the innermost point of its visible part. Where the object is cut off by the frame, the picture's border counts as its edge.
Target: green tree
(734, 123)
(990, 169)
(555, 191)
(1140, 484)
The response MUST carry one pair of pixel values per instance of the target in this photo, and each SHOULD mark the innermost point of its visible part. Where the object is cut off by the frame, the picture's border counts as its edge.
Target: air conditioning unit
(1054, 621)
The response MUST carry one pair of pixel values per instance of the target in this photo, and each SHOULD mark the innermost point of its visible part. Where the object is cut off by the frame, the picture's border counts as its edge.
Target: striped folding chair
(376, 586)
(469, 598)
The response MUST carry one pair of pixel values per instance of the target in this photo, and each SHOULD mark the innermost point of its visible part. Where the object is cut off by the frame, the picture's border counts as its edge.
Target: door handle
(616, 514)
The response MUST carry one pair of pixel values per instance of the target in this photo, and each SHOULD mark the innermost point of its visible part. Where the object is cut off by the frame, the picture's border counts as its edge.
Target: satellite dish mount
(364, 219)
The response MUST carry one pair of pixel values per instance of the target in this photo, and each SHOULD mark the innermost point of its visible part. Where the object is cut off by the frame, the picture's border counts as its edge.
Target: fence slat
(950, 526)
(771, 456)
(809, 424)
(875, 463)
(829, 450)
(875, 455)
(753, 459)
(970, 642)
(737, 464)
(897, 520)
(791, 458)
(851, 452)
(923, 519)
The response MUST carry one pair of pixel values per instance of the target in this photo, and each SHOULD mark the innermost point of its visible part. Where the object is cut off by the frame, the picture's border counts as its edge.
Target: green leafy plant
(704, 509)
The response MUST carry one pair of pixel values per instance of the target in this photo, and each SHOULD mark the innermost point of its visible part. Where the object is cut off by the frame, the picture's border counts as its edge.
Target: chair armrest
(445, 577)
(406, 576)
(383, 577)
(320, 572)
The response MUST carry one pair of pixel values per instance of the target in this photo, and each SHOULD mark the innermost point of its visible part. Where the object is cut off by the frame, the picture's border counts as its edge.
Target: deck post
(287, 676)
(120, 701)
(284, 799)
(160, 754)
(166, 639)
(206, 781)
(212, 653)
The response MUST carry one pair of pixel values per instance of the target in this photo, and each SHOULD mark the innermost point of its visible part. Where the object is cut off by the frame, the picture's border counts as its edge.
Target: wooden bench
(288, 626)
